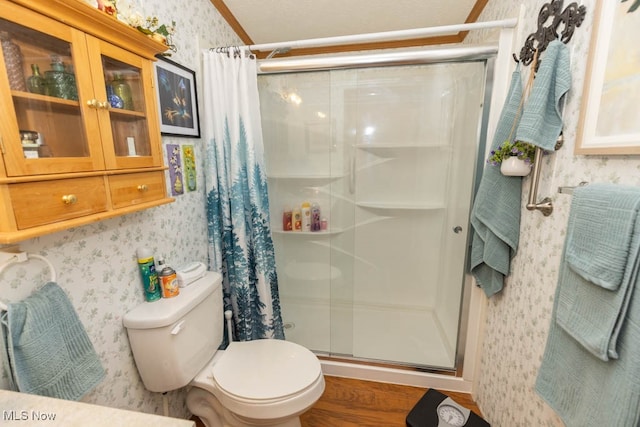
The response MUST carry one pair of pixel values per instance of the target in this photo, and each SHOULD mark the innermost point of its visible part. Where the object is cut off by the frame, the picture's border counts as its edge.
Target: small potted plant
(514, 158)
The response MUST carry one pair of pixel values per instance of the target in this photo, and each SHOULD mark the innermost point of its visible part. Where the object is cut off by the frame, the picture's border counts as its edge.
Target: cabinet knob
(104, 105)
(143, 187)
(93, 103)
(69, 199)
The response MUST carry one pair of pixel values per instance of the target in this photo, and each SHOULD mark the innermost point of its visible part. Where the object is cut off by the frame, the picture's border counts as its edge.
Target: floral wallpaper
(96, 264)
(518, 319)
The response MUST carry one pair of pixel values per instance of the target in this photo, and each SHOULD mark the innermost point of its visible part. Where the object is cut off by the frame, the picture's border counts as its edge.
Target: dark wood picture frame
(177, 99)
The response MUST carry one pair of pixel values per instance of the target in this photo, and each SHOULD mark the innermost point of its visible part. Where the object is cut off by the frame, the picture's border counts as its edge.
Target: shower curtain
(240, 243)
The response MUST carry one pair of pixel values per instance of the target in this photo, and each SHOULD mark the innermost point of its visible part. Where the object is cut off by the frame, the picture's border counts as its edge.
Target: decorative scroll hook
(571, 18)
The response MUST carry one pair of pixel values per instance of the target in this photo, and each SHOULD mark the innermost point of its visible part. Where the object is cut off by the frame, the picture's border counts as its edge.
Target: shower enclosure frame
(471, 330)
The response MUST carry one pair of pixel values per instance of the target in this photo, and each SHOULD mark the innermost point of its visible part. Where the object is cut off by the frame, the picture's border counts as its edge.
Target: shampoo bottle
(168, 280)
(297, 219)
(306, 216)
(287, 219)
(315, 217)
(150, 282)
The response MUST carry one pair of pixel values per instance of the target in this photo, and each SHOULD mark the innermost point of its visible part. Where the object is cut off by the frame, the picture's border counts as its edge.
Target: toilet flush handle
(176, 329)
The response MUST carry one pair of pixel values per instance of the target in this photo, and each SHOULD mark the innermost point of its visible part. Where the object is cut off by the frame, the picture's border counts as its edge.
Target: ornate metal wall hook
(553, 14)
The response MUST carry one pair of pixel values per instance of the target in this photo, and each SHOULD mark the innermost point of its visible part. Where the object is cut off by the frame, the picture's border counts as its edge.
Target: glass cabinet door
(126, 108)
(43, 126)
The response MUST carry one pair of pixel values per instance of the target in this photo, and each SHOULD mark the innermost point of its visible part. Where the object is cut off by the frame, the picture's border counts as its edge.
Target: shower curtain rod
(384, 36)
(412, 57)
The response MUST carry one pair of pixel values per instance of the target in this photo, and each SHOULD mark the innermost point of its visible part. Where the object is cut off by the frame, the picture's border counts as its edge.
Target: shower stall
(390, 156)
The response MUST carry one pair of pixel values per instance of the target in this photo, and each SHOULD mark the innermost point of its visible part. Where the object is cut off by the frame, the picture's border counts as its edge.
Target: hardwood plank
(353, 403)
(347, 402)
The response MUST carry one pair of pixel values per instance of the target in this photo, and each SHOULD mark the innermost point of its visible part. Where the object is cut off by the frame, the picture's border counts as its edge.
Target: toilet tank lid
(166, 311)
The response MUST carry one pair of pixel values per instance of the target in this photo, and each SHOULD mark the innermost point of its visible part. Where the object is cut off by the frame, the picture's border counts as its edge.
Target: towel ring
(16, 259)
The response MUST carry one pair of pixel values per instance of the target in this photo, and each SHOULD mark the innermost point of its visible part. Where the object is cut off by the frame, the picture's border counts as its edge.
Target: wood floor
(353, 403)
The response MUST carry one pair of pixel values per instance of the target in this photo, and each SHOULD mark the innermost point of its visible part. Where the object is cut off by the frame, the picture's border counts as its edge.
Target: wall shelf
(305, 177)
(399, 146)
(330, 232)
(401, 206)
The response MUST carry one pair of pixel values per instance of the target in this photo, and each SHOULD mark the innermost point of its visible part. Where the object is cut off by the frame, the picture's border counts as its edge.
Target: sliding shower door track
(387, 364)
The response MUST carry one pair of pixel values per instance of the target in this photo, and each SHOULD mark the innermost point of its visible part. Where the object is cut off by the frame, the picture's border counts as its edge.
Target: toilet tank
(172, 339)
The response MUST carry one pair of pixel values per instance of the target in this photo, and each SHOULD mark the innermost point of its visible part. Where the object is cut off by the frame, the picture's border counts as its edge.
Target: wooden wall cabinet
(80, 136)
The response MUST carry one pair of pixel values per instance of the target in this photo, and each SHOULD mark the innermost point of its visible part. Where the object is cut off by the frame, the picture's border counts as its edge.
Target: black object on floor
(435, 409)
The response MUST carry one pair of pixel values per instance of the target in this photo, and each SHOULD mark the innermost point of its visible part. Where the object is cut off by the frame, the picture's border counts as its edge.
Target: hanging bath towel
(496, 210)
(541, 122)
(590, 371)
(47, 349)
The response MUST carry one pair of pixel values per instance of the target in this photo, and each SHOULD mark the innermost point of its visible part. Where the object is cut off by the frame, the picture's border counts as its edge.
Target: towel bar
(14, 257)
(569, 190)
(545, 206)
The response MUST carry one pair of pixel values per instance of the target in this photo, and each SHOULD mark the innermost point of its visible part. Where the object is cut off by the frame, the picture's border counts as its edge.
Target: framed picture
(610, 113)
(177, 99)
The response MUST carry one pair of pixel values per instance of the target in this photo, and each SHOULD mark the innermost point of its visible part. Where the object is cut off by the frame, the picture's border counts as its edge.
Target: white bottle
(306, 216)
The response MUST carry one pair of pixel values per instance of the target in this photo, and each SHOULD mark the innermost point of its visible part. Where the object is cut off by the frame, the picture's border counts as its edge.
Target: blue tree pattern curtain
(240, 243)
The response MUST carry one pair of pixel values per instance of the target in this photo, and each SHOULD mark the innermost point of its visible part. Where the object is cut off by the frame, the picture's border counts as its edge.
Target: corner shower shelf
(305, 177)
(329, 232)
(312, 271)
(399, 146)
(401, 206)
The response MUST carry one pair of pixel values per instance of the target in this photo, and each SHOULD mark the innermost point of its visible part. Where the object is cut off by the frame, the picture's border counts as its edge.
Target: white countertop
(21, 409)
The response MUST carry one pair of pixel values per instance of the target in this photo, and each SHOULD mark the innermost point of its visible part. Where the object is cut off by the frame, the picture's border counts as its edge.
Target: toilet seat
(265, 369)
(264, 379)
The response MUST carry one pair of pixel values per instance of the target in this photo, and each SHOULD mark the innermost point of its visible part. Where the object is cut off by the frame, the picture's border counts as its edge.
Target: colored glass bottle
(13, 62)
(59, 82)
(122, 89)
(114, 100)
(35, 82)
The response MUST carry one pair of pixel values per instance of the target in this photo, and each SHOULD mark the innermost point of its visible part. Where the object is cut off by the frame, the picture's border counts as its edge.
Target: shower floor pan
(391, 334)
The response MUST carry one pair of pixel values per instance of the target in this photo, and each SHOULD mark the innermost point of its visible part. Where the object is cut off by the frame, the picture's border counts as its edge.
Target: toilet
(263, 382)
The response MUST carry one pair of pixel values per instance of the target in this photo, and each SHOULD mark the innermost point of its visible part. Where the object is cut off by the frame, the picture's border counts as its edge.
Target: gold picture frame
(610, 112)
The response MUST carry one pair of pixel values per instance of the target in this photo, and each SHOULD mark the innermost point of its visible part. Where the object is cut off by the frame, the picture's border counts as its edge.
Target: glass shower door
(389, 155)
(415, 151)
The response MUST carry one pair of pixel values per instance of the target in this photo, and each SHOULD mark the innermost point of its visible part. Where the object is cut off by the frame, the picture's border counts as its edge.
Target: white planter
(514, 166)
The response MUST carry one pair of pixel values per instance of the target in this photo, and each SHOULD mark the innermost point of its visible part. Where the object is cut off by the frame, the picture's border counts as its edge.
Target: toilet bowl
(264, 382)
(256, 383)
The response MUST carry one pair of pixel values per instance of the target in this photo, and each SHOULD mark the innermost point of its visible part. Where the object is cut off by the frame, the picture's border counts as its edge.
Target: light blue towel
(583, 387)
(602, 231)
(541, 122)
(495, 216)
(599, 232)
(48, 350)
(587, 392)
(584, 390)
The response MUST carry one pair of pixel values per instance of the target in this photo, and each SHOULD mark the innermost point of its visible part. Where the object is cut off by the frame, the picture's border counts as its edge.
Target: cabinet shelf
(401, 206)
(31, 97)
(126, 113)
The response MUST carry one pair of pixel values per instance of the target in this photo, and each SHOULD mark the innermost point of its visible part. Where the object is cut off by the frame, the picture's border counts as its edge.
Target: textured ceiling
(267, 21)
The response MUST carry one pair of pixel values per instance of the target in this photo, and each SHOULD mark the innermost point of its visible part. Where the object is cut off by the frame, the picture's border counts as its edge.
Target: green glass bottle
(60, 83)
(36, 83)
(122, 89)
